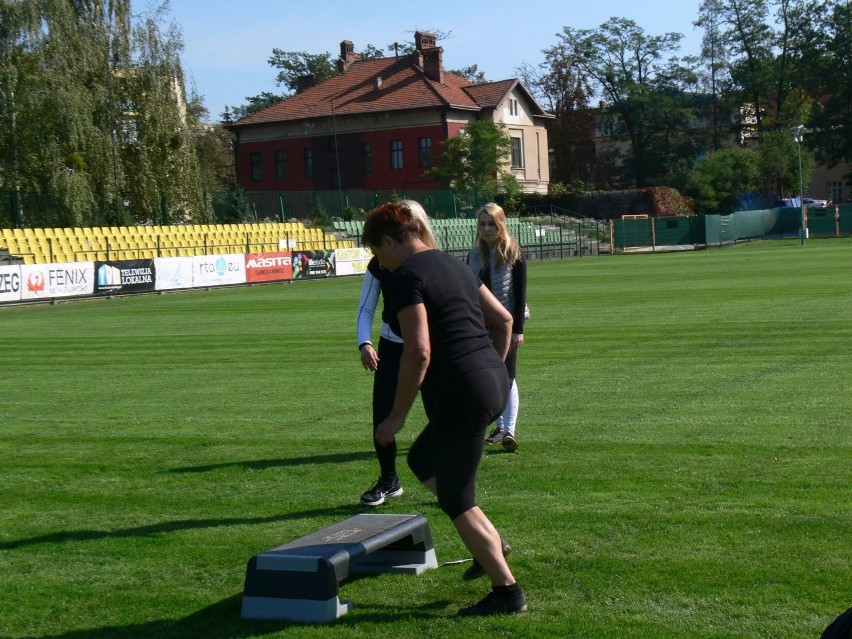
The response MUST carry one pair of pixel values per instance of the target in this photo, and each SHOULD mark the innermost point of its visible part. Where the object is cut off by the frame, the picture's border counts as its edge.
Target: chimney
(304, 82)
(431, 55)
(347, 56)
(424, 40)
(433, 64)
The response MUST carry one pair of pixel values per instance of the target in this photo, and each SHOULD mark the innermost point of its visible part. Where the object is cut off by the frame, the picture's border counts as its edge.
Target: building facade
(380, 124)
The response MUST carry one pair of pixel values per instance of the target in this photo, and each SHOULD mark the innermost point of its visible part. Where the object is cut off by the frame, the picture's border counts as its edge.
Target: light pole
(798, 134)
(337, 155)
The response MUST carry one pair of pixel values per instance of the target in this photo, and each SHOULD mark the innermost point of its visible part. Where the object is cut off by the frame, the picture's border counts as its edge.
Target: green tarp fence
(714, 230)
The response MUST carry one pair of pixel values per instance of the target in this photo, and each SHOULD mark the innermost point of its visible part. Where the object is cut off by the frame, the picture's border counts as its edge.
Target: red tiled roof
(404, 86)
(491, 94)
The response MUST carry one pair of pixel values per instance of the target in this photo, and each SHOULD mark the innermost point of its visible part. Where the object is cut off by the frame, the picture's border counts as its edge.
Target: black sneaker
(496, 605)
(510, 443)
(496, 436)
(381, 490)
(476, 571)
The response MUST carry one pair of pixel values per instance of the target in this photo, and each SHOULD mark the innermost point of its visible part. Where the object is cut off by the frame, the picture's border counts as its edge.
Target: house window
(425, 152)
(396, 154)
(834, 191)
(368, 157)
(309, 163)
(513, 107)
(517, 154)
(281, 165)
(256, 167)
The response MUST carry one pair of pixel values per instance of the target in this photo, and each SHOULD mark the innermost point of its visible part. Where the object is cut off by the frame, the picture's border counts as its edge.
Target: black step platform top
(370, 531)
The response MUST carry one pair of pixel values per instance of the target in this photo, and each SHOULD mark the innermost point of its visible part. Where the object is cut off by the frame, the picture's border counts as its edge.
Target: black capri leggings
(459, 407)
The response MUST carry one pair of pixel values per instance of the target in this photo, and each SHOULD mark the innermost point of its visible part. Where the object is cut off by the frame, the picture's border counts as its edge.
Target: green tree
(765, 61)
(560, 85)
(779, 165)
(720, 178)
(295, 64)
(825, 45)
(712, 67)
(471, 74)
(291, 66)
(648, 93)
(473, 159)
(93, 110)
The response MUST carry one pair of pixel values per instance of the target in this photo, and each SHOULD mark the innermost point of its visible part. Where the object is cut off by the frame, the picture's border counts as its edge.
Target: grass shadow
(222, 621)
(172, 526)
(263, 464)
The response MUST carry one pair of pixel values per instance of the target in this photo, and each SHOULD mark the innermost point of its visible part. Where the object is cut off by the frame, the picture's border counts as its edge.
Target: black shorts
(459, 407)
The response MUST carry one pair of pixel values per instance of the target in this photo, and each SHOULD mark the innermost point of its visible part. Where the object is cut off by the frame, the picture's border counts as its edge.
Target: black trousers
(459, 406)
(384, 393)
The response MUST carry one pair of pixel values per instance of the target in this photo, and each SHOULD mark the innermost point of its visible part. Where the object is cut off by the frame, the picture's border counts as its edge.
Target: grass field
(684, 468)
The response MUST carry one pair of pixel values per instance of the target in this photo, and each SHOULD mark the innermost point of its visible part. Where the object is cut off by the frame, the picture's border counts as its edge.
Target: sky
(227, 44)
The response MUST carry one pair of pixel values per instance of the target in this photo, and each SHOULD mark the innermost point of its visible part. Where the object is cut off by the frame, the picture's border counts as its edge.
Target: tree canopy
(93, 115)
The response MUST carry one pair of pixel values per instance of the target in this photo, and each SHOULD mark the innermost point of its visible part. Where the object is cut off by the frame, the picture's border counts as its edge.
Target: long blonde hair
(426, 235)
(506, 248)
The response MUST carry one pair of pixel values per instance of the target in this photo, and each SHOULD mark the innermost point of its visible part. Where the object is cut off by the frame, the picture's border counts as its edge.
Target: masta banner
(268, 267)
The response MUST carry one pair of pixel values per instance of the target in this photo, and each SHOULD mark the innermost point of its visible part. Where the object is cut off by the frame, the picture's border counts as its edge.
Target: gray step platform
(300, 580)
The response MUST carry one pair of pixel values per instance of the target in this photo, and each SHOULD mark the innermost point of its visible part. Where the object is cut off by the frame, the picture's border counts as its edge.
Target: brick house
(379, 124)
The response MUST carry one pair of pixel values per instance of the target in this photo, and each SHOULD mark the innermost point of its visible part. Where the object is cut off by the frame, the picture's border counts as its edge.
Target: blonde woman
(497, 259)
(384, 362)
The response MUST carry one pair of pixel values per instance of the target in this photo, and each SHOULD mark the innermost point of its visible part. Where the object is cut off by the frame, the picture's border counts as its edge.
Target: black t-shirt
(449, 290)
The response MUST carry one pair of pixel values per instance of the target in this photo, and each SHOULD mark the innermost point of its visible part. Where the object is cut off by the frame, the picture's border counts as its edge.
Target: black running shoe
(476, 571)
(381, 490)
(496, 436)
(510, 443)
(496, 605)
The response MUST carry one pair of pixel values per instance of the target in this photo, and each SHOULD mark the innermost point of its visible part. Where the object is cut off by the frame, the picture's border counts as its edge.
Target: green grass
(684, 468)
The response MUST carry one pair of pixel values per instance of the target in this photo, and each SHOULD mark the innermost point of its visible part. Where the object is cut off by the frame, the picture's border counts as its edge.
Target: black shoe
(496, 605)
(496, 436)
(380, 490)
(476, 571)
(510, 443)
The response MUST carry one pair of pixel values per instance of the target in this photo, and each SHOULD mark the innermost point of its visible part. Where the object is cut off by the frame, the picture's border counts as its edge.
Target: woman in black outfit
(457, 364)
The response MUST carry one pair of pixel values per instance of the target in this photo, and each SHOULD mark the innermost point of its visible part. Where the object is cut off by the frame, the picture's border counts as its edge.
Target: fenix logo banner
(48, 281)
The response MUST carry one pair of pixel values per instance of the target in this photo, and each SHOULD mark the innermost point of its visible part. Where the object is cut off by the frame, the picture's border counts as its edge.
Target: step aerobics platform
(300, 580)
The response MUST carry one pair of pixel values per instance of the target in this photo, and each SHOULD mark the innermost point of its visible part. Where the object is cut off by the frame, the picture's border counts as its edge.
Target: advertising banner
(125, 276)
(351, 261)
(312, 264)
(172, 273)
(10, 283)
(48, 281)
(268, 267)
(218, 270)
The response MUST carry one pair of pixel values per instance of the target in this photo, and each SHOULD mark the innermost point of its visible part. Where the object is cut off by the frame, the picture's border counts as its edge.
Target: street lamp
(798, 134)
